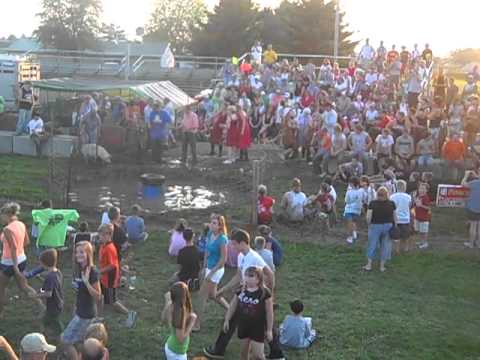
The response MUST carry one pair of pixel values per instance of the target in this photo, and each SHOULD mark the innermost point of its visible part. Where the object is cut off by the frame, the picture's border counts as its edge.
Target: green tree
(309, 27)
(69, 24)
(464, 57)
(176, 21)
(111, 32)
(271, 30)
(230, 30)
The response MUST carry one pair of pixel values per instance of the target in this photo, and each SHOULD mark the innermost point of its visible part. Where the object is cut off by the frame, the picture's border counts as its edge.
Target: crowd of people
(375, 117)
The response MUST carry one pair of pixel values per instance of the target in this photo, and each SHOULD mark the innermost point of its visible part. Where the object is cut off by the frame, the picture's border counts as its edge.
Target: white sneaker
(423, 246)
(468, 245)
(350, 240)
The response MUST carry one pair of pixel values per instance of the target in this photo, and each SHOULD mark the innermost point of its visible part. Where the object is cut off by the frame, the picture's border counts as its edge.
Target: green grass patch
(424, 307)
(23, 178)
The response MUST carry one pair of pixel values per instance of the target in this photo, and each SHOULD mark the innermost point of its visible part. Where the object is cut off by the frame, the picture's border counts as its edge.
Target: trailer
(15, 70)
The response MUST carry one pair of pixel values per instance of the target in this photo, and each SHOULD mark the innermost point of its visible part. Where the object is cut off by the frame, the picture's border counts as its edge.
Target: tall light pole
(336, 34)
(127, 61)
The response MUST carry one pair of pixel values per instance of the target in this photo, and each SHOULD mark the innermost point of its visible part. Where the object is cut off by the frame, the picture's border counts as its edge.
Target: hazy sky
(446, 25)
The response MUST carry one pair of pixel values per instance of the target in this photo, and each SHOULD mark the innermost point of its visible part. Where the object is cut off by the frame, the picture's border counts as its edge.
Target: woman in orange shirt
(14, 261)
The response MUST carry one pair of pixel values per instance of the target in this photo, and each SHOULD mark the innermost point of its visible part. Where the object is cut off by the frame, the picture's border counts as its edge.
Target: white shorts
(421, 226)
(217, 277)
(174, 356)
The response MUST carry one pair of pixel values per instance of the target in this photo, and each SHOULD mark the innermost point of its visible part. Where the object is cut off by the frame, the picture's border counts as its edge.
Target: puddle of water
(153, 199)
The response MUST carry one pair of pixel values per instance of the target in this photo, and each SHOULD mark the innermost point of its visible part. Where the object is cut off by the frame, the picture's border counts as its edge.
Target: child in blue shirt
(296, 331)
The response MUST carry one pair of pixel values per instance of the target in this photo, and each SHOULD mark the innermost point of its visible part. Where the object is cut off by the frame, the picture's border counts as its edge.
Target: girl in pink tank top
(13, 262)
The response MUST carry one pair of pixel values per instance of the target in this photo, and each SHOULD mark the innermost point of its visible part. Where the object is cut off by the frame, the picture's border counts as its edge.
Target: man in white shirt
(403, 204)
(37, 132)
(246, 258)
(293, 202)
(367, 53)
(256, 53)
(415, 52)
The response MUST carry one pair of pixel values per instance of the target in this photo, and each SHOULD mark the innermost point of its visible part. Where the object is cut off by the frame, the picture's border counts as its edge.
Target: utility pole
(336, 34)
(127, 61)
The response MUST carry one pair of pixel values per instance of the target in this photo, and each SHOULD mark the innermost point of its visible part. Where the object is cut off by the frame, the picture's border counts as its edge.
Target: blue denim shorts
(76, 330)
(351, 216)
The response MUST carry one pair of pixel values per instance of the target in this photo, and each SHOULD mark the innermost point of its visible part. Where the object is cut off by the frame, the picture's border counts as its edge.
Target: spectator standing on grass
(403, 205)
(178, 315)
(353, 208)
(119, 236)
(472, 181)
(189, 126)
(188, 260)
(109, 268)
(52, 293)
(14, 239)
(296, 331)
(247, 258)
(266, 254)
(423, 214)
(135, 226)
(381, 218)
(253, 307)
(88, 293)
(214, 266)
(271, 244)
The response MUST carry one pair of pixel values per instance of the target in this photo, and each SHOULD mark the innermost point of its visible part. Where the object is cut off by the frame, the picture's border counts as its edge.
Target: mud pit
(184, 190)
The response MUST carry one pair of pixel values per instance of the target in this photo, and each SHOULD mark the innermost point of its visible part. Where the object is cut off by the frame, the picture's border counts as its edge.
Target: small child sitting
(135, 226)
(177, 242)
(296, 331)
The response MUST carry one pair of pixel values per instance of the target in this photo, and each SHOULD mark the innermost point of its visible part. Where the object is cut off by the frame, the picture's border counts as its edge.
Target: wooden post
(255, 183)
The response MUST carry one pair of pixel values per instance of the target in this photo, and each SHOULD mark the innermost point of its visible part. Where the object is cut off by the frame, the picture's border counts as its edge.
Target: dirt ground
(230, 187)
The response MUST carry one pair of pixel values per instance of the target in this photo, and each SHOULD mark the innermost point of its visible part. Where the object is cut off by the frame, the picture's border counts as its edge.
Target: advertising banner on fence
(452, 195)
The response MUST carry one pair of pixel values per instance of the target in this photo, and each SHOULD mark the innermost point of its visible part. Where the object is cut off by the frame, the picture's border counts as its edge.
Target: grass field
(21, 178)
(426, 306)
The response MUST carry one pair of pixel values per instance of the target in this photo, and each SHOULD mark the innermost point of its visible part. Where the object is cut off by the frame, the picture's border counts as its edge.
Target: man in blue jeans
(25, 105)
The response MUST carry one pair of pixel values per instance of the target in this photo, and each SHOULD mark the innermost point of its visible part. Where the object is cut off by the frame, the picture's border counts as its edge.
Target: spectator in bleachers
(39, 133)
(453, 152)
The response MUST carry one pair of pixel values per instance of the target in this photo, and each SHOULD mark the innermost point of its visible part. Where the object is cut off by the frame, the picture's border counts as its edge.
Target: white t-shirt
(333, 193)
(385, 142)
(105, 218)
(256, 54)
(251, 259)
(403, 203)
(296, 202)
(35, 126)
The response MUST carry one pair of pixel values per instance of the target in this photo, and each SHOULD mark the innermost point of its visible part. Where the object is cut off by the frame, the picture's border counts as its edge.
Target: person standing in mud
(189, 127)
(159, 129)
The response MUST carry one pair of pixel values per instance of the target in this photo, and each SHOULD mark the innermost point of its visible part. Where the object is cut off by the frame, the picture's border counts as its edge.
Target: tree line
(230, 29)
